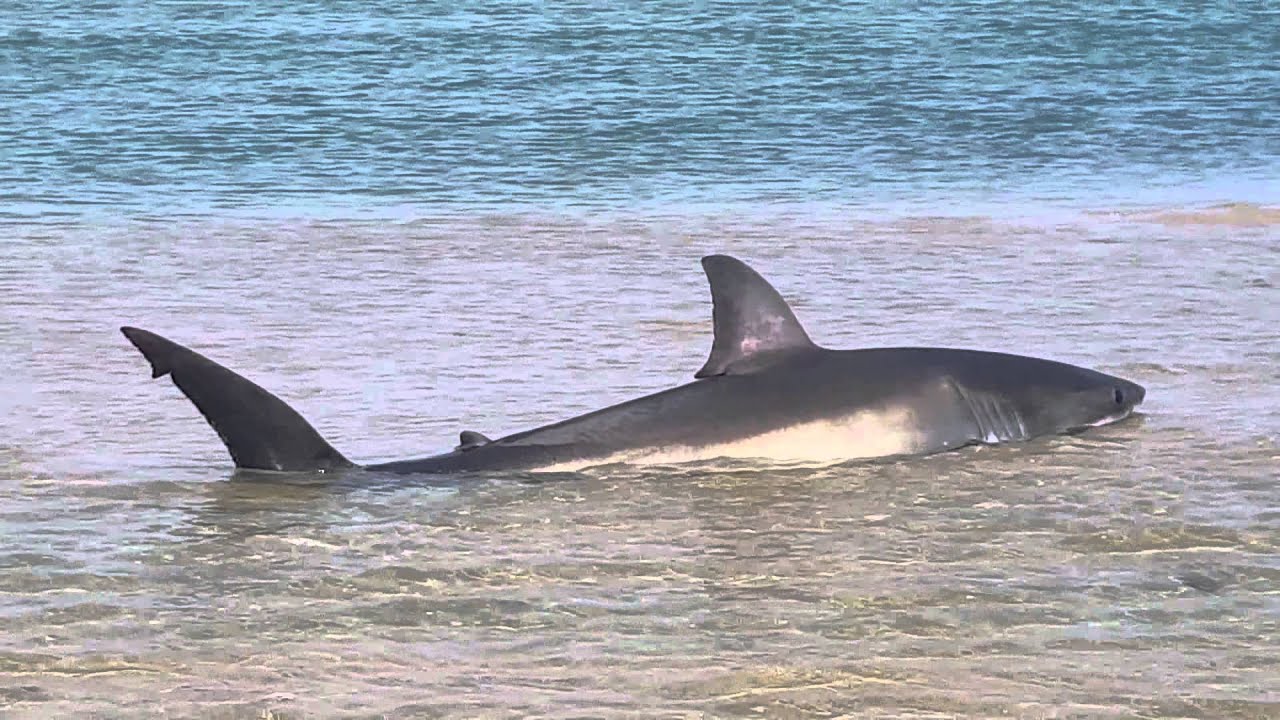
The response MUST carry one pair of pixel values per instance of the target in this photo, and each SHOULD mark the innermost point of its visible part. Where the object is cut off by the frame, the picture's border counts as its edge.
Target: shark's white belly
(864, 434)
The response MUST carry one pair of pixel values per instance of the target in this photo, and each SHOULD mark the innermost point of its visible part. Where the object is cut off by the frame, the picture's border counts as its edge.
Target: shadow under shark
(767, 391)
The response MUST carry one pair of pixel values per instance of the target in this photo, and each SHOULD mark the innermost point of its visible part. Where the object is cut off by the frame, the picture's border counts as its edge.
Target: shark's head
(1070, 399)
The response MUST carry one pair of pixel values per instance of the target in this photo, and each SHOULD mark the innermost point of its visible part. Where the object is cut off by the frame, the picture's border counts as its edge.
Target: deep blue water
(159, 108)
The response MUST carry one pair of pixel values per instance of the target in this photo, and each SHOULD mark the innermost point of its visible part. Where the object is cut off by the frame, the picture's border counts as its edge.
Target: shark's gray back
(768, 391)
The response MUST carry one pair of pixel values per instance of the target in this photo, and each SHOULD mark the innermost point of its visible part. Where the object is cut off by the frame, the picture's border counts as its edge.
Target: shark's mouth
(1110, 419)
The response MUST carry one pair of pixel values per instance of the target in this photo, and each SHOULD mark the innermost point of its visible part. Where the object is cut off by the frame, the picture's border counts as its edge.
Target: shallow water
(411, 218)
(1131, 571)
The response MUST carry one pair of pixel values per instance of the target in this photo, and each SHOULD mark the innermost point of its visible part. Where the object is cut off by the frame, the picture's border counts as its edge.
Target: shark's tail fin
(258, 428)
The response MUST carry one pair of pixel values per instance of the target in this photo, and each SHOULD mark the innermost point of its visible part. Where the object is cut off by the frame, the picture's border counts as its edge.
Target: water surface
(413, 218)
(330, 108)
(1129, 571)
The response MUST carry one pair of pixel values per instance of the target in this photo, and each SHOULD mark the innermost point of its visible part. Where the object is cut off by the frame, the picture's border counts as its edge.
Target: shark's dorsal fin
(470, 440)
(752, 321)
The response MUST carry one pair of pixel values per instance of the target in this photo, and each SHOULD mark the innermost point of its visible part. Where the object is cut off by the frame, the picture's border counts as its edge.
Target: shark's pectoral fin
(470, 440)
(753, 324)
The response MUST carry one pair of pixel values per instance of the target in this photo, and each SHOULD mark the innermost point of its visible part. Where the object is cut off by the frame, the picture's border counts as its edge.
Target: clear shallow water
(422, 217)
(1131, 571)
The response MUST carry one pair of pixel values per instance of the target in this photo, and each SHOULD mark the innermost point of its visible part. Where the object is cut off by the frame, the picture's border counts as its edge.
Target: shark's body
(766, 392)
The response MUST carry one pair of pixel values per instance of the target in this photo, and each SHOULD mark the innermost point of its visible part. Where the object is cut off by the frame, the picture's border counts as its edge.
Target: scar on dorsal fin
(752, 322)
(470, 440)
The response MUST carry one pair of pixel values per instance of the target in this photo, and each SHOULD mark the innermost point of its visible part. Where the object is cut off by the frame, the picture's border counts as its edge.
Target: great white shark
(767, 391)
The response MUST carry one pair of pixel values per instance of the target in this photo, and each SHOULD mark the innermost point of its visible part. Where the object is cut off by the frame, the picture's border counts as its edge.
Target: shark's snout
(1130, 393)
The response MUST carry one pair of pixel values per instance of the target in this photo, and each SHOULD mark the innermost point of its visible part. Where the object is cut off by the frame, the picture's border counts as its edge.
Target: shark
(766, 392)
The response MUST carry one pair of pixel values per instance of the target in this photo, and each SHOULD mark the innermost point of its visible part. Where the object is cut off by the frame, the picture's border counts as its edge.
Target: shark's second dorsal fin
(470, 440)
(752, 321)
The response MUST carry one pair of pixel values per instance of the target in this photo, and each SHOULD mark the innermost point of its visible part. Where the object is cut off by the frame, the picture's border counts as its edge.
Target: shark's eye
(1119, 396)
